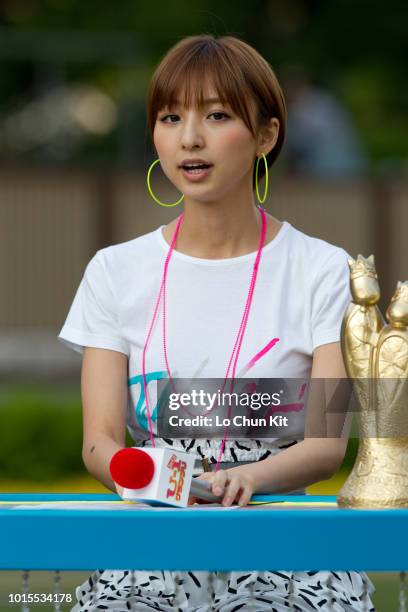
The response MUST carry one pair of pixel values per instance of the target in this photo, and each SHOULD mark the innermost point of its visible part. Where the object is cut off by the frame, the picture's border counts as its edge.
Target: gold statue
(376, 359)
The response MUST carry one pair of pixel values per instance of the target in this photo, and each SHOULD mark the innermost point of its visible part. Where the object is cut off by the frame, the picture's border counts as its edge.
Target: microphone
(159, 477)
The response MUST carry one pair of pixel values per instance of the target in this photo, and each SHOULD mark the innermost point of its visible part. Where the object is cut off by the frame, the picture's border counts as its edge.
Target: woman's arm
(104, 404)
(309, 461)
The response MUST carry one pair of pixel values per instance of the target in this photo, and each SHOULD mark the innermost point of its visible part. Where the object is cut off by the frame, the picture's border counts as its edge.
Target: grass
(86, 484)
(39, 582)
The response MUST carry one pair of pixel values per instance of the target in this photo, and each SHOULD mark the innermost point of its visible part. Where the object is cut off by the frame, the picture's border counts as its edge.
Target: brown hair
(241, 77)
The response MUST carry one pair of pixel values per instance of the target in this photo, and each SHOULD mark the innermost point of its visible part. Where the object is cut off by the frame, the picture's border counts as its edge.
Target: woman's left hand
(234, 486)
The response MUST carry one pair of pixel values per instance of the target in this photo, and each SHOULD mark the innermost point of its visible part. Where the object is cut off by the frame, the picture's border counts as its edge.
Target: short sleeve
(93, 318)
(330, 299)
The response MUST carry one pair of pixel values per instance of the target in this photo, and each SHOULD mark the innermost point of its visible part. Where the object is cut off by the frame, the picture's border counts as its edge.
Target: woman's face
(213, 134)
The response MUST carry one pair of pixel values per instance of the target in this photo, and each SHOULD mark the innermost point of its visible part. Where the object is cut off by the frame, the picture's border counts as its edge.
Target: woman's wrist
(305, 463)
(97, 457)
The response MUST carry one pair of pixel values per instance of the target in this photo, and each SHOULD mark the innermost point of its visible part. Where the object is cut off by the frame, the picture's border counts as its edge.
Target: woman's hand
(234, 486)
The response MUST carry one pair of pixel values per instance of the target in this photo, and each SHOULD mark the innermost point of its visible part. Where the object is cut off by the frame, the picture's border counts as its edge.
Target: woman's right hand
(207, 477)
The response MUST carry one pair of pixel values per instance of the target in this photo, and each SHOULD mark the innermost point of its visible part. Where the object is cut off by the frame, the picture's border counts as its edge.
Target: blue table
(299, 536)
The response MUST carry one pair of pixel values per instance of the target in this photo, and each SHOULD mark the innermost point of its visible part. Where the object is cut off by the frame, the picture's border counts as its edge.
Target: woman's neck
(212, 234)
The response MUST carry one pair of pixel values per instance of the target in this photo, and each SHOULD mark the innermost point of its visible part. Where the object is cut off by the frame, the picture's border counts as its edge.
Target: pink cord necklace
(239, 338)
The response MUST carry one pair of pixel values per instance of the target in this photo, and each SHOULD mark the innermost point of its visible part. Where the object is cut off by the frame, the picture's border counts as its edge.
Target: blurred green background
(356, 50)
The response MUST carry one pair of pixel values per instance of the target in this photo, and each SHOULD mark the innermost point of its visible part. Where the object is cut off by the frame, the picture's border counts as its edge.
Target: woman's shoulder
(131, 251)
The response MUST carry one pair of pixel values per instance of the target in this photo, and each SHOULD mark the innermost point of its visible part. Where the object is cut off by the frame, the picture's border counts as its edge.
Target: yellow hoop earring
(261, 201)
(150, 189)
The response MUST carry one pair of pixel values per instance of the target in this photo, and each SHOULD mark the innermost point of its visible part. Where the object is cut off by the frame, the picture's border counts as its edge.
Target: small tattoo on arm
(92, 449)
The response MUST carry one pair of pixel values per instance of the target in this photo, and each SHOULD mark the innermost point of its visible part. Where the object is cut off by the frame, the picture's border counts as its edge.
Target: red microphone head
(132, 468)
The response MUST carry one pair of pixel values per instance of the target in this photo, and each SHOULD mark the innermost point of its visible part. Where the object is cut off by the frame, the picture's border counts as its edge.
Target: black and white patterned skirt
(170, 591)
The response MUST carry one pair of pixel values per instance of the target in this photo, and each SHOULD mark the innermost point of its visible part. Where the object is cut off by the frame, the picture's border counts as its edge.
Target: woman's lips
(196, 175)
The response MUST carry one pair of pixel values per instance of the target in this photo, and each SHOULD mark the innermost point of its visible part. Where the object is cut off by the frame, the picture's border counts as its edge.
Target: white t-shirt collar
(226, 260)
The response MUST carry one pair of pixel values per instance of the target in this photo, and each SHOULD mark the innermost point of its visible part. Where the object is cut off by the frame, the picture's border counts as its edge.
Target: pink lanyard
(239, 338)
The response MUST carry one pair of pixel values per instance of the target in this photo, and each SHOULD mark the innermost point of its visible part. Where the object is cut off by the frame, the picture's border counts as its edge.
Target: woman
(222, 290)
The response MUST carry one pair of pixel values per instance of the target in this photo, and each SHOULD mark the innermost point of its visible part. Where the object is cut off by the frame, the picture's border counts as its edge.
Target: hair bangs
(189, 79)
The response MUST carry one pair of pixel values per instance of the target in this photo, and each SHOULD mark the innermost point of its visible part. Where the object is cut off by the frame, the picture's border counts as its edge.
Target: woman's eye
(219, 113)
(166, 116)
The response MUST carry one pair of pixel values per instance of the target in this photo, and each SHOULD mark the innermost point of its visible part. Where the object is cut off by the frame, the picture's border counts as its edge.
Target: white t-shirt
(301, 294)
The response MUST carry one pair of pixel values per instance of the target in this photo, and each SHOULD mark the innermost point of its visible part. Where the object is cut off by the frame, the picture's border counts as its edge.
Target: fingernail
(218, 490)
(227, 501)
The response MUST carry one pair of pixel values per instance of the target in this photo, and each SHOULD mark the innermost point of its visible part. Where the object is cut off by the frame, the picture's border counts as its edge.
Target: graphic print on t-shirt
(154, 376)
(141, 407)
